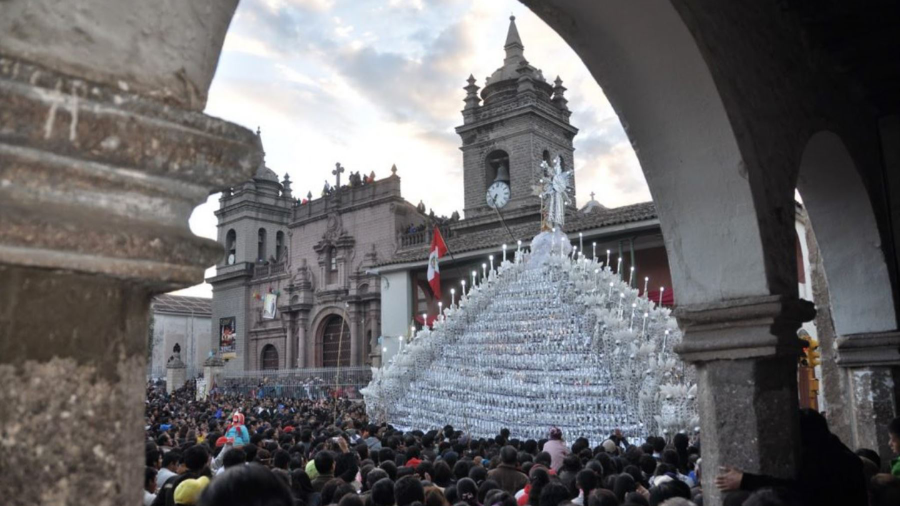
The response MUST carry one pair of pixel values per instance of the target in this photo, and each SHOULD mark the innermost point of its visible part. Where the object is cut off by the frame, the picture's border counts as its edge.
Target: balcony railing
(409, 239)
(265, 270)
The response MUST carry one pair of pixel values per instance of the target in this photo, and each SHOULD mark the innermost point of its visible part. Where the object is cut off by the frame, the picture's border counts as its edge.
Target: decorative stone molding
(100, 180)
(742, 328)
(868, 350)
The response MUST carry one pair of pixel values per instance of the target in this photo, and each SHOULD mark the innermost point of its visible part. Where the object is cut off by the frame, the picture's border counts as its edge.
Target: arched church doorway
(335, 342)
(269, 358)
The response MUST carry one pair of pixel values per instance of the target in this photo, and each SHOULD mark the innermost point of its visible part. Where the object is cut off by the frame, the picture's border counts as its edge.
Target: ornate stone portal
(97, 183)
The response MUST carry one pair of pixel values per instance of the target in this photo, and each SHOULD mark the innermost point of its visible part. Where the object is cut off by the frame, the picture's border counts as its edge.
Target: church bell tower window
(261, 246)
(279, 246)
(230, 247)
(496, 168)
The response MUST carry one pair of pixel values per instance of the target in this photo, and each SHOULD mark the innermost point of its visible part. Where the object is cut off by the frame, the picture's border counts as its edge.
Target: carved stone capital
(869, 350)
(742, 328)
(100, 180)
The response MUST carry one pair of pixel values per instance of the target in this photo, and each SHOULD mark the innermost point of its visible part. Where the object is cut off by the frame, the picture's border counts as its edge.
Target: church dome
(264, 173)
(545, 341)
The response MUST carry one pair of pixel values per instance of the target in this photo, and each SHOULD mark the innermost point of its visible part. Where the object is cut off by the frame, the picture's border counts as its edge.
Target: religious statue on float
(554, 188)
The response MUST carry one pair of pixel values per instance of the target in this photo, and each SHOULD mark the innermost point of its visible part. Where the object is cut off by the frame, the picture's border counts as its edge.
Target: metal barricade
(320, 383)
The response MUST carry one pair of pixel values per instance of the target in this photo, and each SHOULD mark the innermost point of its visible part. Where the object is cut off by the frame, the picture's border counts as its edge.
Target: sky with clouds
(372, 83)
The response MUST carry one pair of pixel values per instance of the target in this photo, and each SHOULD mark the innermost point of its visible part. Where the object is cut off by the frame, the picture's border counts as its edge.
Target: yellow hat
(188, 491)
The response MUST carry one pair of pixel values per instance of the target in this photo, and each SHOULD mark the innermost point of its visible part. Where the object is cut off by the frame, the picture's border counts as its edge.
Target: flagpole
(450, 252)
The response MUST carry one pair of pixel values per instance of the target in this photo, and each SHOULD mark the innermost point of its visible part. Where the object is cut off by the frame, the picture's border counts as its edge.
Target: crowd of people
(245, 450)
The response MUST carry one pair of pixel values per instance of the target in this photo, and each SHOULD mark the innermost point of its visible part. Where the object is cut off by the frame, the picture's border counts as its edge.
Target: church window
(546, 157)
(332, 273)
(230, 247)
(494, 162)
(261, 245)
(335, 342)
(279, 246)
(269, 358)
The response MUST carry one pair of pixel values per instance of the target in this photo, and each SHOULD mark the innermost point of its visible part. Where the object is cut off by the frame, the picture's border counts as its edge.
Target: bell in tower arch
(503, 172)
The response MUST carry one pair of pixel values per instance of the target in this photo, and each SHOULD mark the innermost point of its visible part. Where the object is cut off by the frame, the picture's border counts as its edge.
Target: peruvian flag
(438, 249)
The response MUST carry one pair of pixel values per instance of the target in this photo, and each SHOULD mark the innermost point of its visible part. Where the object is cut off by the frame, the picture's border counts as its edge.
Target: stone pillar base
(176, 376)
(870, 367)
(746, 355)
(212, 373)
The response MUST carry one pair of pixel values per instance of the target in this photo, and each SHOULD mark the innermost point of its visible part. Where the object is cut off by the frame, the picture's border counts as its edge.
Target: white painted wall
(191, 333)
(396, 303)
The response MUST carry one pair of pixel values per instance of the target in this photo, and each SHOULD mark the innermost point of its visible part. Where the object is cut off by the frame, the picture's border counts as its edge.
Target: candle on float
(401, 342)
(619, 267)
(646, 282)
(518, 247)
(610, 289)
(580, 241)
(594, 251)
(453, 295)
(631, 278)
(424, 320)
(631, 325)
(504, 253)
(607, 259)
(491, 258)
(440, 310)
(661, 290)
(644, 325)
(474, 275)
(621, 301)
(665, 338)
(463, 293)
(483, 272)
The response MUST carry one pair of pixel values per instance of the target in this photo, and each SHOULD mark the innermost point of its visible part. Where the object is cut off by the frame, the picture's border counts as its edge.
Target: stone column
(302, 324)
(870, 364)
(354, 324)
(746, 355)
(176, 374)
(103, 156)
(212, 371)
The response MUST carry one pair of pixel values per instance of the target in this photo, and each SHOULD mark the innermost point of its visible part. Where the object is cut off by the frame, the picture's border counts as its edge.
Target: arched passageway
(719, 123)
(855, 283)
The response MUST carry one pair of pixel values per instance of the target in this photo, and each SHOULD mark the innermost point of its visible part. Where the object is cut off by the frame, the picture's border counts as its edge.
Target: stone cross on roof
(337, 174)
(592, 195)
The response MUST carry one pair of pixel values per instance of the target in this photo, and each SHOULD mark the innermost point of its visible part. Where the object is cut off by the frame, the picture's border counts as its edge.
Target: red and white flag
(438, 249)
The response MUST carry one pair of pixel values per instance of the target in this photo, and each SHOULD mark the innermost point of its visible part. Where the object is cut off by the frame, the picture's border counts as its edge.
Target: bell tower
(518, 120)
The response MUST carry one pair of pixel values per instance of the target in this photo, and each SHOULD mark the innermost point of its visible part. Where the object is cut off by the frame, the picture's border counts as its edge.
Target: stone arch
(268, 358)
(492, 162)
(657, 80)
(726, 214)
(334, 333)
(843, 221)
(317, 329)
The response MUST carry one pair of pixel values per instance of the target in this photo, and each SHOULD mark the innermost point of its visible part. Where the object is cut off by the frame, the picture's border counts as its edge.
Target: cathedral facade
(336, 280)
(294, 289)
